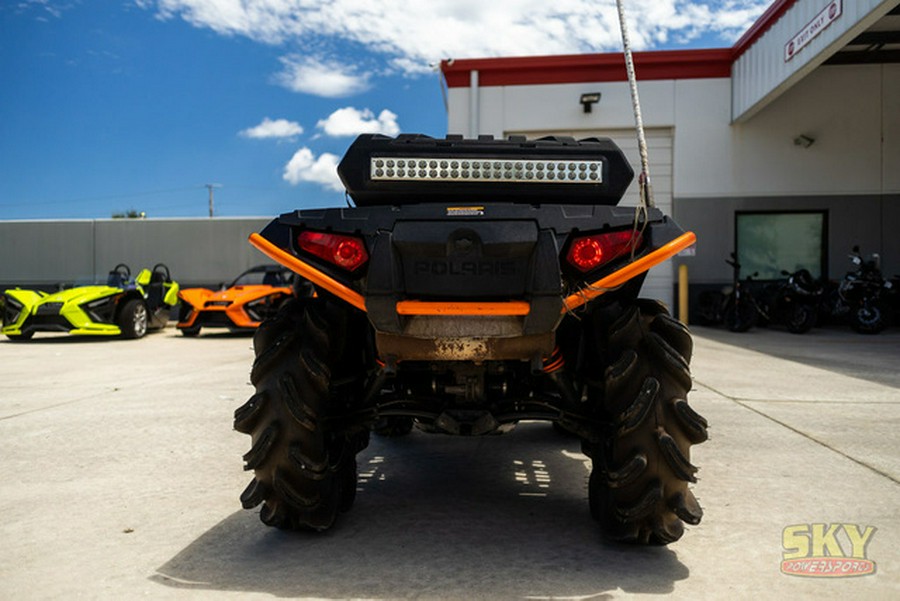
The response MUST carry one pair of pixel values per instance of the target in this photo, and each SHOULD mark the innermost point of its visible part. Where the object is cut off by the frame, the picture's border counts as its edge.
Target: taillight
(347, 252)
(590, 252)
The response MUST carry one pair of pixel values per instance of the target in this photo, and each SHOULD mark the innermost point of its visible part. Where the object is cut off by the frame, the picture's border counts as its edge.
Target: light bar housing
(554, 170)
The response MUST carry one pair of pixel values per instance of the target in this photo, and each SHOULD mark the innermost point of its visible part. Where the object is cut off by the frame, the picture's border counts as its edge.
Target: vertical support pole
(683, 293)
(474, 117)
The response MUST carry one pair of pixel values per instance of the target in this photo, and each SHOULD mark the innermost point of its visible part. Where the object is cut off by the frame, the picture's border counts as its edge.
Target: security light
(587, 100)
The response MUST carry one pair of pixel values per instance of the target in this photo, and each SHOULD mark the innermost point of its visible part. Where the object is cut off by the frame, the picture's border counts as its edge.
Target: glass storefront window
(769, 242)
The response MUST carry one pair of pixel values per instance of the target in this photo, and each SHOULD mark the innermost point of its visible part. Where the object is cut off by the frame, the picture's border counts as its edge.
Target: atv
(476, 283)
(252, 297)
(124, 306)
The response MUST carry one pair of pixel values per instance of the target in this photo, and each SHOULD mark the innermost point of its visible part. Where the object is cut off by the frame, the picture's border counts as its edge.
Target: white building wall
(761, 74)
(556, 107)
(852, 112)
(847, 110)
(890, 116)
(704, 151)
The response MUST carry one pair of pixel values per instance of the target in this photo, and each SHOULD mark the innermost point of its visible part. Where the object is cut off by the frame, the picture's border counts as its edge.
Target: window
(769, 242)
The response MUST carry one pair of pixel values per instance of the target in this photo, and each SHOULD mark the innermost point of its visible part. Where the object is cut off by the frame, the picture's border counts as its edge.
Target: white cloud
(43, 8)
(277, 128)
(321, 78)
(410, 35)
(349, 121)
(305, 167)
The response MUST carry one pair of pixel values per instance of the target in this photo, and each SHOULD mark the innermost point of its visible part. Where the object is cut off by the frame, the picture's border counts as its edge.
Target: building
(784, 148)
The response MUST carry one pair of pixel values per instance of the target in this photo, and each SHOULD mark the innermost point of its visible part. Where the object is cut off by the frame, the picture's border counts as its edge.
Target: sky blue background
(106, 108)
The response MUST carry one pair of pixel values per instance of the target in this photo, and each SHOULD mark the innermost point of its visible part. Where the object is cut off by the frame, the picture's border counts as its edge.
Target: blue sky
(108, 106)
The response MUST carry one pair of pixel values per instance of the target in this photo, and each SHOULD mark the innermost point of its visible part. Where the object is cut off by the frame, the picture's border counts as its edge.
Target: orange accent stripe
(613, 280)
(308, 271)
(413, 307)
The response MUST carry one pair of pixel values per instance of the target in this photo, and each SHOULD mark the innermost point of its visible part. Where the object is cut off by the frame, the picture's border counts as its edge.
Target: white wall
(556, 107)
(847, 109)
(841, 107)
(890, 114)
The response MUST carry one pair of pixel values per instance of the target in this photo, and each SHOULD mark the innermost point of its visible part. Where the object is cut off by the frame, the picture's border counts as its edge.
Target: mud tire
(304, 471)
(638, 488)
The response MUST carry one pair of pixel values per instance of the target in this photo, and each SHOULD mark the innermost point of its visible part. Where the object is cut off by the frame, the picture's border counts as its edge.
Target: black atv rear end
(477, 283)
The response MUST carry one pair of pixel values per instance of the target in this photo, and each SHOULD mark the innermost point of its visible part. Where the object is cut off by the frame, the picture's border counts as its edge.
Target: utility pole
(210, 188)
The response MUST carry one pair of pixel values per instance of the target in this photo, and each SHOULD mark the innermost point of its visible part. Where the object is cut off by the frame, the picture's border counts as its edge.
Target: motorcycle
(861, 296)
(734, 305)
(793, 302)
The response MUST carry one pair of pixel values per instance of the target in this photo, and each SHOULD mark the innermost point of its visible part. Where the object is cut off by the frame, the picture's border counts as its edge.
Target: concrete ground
(121, 476)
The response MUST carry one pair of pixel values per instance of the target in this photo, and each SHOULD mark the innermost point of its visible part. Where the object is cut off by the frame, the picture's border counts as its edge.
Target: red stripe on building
(577, 68)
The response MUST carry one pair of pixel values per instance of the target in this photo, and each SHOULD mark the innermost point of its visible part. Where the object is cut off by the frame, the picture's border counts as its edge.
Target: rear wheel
(304, 469)
(638, 487)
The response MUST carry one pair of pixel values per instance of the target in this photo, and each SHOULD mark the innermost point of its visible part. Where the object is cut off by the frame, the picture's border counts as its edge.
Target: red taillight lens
(347, 252)
(590, 252)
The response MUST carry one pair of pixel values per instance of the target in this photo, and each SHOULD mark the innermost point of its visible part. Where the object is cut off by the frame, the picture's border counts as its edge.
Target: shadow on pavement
(439, 517)
(838, 349)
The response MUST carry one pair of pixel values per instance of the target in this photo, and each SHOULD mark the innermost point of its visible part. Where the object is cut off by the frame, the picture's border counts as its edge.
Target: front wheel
(20, 337)
(133, 320)
(638, 488)
(800, 318)
(868, 318)
(304, 468)
(190, 332)
(740, 316)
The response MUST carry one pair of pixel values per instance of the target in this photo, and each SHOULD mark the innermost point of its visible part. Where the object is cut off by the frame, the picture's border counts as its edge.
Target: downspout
(474, 125)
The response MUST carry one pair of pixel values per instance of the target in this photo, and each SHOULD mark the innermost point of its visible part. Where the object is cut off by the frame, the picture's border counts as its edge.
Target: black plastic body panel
(475, 261)
(508, 252)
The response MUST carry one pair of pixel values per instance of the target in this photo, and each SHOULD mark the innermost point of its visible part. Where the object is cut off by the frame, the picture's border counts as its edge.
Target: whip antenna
(646, 190)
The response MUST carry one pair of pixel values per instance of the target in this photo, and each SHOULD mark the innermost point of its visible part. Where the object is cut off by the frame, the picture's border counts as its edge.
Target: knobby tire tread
(639, 483)
(304, 472)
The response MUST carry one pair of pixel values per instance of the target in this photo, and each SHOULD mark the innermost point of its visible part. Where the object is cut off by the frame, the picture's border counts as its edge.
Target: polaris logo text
(465, 268)
(821, 550)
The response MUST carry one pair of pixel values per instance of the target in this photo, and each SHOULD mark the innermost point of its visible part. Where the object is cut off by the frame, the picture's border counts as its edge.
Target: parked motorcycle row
(863, 298)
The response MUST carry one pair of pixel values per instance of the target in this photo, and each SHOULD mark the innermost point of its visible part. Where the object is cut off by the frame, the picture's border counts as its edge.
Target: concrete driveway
(121, 477)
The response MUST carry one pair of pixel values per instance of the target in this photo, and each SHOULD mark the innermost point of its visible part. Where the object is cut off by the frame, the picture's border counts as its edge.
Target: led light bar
(412, 168)
(406, 168)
